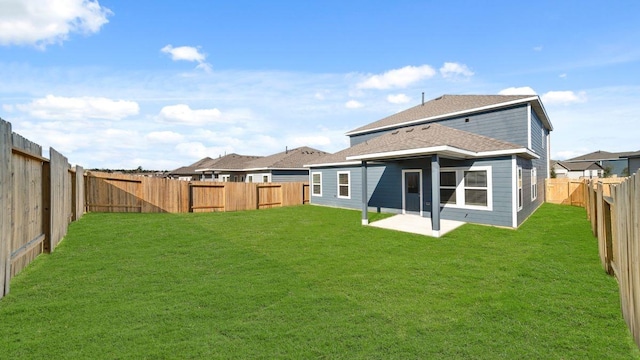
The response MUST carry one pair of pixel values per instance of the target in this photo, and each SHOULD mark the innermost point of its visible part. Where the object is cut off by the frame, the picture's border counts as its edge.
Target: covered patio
(416, 224)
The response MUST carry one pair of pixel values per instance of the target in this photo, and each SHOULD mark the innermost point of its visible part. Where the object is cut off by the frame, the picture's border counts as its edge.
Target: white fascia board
(269, 169)
(344, 163)
(457, 113)
(443, 149)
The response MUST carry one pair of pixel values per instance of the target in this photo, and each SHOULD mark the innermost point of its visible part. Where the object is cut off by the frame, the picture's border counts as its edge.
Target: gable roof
(231, 161)
(288, 159)
(191, 169)
(454, 105)
(579, 165)
(423, 140)
(600, 155)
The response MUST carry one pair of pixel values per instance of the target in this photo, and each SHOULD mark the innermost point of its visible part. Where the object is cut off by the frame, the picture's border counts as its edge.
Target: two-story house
(471, 158)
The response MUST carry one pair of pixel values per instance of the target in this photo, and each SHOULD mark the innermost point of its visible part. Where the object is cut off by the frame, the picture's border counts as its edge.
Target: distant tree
(553, 173)
(625, 171)
(607, 171)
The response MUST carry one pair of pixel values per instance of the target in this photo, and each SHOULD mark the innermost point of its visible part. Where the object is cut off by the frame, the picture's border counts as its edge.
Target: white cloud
(183, 114)
(398, 78)
(77, 108)
(455, 70)
(398, 99)
(537, 48)
(525, 90)
(188, 53)
(164, 137)
(353, 104)
(563, 76)
(197, 150)
(45, 22)
(564, 97)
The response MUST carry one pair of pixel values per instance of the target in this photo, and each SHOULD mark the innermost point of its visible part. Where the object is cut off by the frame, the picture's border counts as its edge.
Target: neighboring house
(616, 163)
(286, 166)
(472, 158)
(633, 162)
(228, 168)
(189, 172)
(577, 169)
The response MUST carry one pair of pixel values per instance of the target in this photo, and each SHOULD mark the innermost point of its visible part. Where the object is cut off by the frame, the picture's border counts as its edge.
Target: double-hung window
(520, 194)
(534, 184)
(468, 188)
(344, 184)
(316, 184)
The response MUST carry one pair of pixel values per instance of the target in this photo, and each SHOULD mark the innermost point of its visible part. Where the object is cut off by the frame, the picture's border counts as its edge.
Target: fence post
(6, 188)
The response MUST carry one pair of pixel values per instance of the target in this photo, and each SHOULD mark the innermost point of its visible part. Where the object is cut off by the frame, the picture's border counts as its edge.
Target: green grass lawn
(311, 282)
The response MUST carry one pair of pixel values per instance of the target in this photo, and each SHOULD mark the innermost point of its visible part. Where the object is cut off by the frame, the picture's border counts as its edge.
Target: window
(520, 196)
(475, 188)
(316, 184)
(448, 187)
(468, 188)
(265, 178)
(344, 184)
(250, 178)
(534, 184)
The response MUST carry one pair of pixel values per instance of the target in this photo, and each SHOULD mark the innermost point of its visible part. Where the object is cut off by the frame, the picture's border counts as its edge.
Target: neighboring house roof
(454, 105)
(423, 140)
(601, 155)
(191, 169)
(632, 155)
(232, 161)
(579, 165)
(288, 159)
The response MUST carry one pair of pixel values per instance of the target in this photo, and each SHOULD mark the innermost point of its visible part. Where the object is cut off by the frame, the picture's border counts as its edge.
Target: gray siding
(501, 214)
(384, 187)
(278, 176)
(634, 165)
(508, 125)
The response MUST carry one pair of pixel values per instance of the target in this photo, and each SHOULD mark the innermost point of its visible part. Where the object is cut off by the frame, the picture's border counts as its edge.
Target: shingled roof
(191, 169)
(228, 162)
(600, 155)
(288, 159)
(453, 105)
(421, 140)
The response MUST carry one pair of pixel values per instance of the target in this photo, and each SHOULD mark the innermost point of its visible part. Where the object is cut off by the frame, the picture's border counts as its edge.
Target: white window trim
(249, 178)
(312, 187)
(348, 184)
(519, 184)
(460, 196)
(534, 184)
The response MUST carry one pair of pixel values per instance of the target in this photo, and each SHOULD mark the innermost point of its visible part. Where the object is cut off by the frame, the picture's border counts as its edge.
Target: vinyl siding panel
(634, 165)
(280, 176)
(508, 125)
(385, 188)
(501, 214)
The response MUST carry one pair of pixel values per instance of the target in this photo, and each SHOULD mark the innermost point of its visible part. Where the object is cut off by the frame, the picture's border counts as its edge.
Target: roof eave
(458, 113)
(446, 151)
(340, 163)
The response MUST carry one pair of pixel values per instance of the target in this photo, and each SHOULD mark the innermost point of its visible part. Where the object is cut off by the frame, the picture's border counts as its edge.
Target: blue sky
(161, 84)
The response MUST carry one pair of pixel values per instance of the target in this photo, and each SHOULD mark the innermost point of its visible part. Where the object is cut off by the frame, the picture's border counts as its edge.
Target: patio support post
(435, 195)
(365, 202)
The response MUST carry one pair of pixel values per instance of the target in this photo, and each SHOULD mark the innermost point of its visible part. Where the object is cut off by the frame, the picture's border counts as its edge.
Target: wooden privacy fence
(39, 197)
(565, 191)
(129, 193)
(614, 212)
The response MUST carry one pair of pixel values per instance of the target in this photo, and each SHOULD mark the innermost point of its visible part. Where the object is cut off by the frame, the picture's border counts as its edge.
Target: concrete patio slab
(416, 224)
